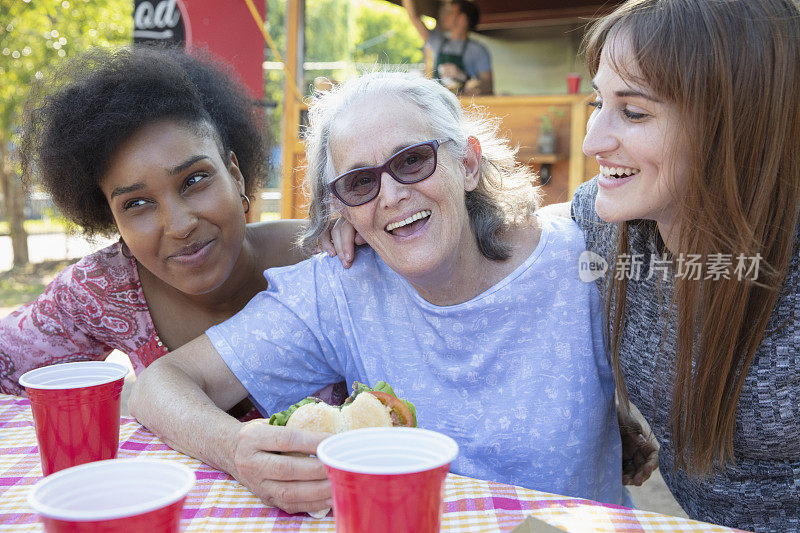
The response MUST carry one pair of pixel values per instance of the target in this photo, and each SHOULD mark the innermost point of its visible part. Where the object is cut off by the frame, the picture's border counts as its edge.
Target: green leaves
(37, 34)
(280, 419)
(369, 32)
(384, 35)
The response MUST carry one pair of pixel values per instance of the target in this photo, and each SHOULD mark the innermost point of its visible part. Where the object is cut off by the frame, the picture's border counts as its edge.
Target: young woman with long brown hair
(696, 129)
(697, 132)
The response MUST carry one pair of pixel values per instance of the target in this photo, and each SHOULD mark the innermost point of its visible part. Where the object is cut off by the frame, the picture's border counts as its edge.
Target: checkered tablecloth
(218, 503)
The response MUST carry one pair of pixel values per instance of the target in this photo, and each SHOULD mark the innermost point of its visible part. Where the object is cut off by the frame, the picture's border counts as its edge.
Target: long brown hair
(731, 69)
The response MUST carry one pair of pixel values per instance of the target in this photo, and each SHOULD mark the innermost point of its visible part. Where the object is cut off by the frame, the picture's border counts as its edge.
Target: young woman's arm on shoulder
(339, 239)
(277, 240)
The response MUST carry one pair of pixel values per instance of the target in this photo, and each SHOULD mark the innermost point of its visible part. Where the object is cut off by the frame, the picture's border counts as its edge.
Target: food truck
(541, 89)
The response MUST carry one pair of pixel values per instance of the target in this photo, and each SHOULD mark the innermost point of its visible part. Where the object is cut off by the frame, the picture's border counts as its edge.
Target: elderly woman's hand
(294, 483)
(341, 239)
(639, 452)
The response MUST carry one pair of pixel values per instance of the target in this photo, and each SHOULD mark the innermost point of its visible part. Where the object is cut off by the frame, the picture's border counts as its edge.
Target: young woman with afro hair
(164, 149)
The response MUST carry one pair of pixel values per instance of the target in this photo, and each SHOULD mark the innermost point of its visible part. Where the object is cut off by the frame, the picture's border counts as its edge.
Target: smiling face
(636, 139)
(420, 230)
(177, 205)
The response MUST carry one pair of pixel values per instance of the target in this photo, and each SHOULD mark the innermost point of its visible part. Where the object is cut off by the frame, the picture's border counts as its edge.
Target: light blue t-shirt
(517, 375)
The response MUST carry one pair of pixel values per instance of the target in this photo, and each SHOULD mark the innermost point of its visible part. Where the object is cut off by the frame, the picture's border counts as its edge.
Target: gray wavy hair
(505, 194)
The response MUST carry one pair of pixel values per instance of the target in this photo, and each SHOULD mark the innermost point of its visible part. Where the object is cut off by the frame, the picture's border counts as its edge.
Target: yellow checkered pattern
(218, 503)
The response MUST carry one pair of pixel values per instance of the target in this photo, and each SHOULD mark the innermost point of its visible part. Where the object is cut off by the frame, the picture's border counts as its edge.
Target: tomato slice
(396, 406)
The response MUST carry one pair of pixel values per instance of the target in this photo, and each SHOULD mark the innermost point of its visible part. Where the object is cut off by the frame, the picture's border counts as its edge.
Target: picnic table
(219, 503)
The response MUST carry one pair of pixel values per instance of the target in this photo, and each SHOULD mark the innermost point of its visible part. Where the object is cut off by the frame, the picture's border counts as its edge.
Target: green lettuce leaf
(412, 409)
(280, 419)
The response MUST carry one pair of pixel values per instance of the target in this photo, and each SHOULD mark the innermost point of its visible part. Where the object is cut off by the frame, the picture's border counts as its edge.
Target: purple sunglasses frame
(386, 167)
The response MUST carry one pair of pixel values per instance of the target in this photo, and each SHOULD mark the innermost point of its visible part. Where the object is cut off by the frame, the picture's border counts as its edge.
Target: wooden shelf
(529, 157)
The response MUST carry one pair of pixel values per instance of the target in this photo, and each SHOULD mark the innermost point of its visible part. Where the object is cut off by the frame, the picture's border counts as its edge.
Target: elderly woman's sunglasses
(409, 165)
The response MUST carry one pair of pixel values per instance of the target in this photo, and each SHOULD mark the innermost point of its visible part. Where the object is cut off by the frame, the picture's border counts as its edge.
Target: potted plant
(546, 141)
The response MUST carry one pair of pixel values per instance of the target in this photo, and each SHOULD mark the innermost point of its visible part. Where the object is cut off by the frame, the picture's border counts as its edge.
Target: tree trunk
(14, 199)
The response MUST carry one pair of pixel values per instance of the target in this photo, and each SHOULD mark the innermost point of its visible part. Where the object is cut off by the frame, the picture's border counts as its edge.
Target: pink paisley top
(91, 308)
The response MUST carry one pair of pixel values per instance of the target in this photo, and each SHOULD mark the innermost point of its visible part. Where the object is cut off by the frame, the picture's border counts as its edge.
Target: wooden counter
(521, 118)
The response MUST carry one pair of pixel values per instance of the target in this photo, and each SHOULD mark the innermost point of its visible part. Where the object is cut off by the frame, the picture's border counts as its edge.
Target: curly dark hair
(75, 121)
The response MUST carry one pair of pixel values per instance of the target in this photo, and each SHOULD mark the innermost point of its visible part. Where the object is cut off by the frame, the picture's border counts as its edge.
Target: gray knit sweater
(761, 492)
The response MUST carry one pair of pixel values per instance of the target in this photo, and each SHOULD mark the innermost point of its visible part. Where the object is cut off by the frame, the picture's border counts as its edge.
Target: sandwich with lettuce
(366, 407)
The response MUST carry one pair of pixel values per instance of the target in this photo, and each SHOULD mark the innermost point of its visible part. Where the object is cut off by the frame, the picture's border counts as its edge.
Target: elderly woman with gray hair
(468, 303)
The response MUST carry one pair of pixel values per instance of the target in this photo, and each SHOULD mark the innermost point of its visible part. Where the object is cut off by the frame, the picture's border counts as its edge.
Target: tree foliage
(328, 30)
(355, 33)
(372, 32)
(35, 34)
(383, 34)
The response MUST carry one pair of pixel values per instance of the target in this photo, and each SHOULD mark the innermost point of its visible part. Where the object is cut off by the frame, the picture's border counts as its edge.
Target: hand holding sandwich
(366, 407)
(195, 391)
(291, 482)
(274, 458)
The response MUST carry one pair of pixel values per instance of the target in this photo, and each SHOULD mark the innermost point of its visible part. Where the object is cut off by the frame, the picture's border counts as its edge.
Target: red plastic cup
(387, 479)
(76, 409)
(127, 495)
(573, 83)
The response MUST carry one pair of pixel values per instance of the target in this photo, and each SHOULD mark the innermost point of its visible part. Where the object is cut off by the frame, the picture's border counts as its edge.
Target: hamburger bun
(364, 412)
